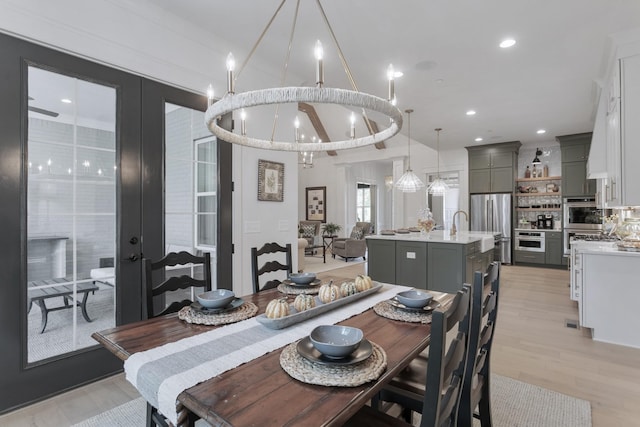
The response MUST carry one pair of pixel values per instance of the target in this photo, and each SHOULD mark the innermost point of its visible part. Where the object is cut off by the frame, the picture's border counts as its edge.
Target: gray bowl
(218, 298)
(414, 299)
(335, 341)
(302, 278)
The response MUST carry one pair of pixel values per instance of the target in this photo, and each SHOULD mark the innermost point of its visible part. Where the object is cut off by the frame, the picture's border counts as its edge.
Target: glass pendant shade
(409, 181)
(438, 187)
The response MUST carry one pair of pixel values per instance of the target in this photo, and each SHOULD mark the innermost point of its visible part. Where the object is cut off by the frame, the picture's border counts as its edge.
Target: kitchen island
(438, 262)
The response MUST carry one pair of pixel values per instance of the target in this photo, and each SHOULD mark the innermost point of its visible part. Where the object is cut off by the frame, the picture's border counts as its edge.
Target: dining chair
(156, 269)
(476, 387)
(269, 266)
(439, 400)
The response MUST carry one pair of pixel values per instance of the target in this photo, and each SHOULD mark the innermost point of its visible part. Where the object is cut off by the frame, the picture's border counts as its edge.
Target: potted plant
(330, 229)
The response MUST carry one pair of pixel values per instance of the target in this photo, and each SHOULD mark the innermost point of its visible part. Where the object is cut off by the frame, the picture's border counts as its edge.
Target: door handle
(133, 257)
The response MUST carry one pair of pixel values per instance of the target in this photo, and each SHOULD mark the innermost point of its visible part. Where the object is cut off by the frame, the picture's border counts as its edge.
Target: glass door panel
(71, 212)
(190, 184)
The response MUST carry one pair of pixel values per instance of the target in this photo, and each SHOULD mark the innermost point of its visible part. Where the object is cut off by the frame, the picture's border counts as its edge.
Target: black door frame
(22, 383)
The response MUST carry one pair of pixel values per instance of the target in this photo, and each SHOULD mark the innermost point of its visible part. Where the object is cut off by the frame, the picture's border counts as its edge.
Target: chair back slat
(270, 266)
(172, 259)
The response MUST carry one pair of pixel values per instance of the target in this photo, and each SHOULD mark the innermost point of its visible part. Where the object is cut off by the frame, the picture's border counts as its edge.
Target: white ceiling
(448, 51)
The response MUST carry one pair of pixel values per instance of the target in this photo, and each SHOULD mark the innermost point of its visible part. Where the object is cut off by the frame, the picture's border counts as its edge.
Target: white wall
(139, 37)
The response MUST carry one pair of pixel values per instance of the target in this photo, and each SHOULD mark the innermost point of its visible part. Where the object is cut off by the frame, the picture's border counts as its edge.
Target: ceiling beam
(374, 129)
(310, 111)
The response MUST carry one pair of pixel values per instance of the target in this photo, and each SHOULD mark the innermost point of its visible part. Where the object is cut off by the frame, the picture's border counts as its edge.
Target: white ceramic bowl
(302, 278)
(218, 298)
(414, 299)
(336, 341)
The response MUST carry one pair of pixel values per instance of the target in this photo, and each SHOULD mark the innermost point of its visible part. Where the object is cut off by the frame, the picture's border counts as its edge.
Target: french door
(82, 188)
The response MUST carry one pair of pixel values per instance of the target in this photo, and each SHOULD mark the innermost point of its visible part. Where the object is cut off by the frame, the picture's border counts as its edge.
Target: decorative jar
(629, 230)
(425, 221)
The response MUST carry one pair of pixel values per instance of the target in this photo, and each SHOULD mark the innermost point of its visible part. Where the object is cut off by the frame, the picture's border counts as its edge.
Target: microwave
(583, 213)
(530, 241)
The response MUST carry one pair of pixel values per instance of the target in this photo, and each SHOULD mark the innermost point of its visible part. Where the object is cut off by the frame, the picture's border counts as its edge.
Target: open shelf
(557, 193)
(537, 209)
(546, 178)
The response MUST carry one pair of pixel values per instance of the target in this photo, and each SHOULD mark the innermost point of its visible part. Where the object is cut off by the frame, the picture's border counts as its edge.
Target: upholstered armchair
(353, 246)
(310, 231)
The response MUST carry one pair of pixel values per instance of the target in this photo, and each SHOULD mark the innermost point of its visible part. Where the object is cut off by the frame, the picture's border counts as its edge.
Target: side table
(327, 243)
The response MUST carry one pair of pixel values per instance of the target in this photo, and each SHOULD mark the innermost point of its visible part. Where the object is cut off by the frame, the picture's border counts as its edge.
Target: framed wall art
(316, 204)
(270, 181)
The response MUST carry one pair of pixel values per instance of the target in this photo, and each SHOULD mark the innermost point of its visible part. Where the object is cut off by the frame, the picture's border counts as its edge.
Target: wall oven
(531, 241)
(583, 213)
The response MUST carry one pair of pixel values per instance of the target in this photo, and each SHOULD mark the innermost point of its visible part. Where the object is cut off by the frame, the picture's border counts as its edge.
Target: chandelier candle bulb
(352, 119)
(210, 95)
(319, 53)
(243, 123)
(296, 125)
(231, 66)
(391, 76)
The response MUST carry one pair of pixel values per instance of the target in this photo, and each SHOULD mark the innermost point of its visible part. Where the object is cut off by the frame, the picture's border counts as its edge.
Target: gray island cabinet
(440, 262)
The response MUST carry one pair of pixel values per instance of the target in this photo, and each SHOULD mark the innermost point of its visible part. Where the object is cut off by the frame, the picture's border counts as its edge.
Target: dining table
(259, 392)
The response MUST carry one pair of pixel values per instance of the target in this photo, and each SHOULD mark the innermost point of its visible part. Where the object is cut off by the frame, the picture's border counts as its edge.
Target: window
(364, 202)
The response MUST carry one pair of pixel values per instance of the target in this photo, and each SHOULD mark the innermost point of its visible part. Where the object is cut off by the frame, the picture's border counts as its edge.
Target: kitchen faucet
(453, 222)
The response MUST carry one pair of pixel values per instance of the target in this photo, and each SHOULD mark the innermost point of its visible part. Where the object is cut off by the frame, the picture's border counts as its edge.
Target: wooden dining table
(260, 392)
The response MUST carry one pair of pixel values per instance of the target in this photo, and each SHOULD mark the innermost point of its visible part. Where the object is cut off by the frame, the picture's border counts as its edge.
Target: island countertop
(440, 236)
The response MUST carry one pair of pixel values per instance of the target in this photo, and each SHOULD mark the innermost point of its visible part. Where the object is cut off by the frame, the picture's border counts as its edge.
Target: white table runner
(162, 373)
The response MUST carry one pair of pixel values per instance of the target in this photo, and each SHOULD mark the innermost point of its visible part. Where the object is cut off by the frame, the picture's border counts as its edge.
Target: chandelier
(438, 187)
(321, 94)
(409, 181)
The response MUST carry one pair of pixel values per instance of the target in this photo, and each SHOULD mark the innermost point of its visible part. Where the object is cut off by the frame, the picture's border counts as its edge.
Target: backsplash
(551, 156)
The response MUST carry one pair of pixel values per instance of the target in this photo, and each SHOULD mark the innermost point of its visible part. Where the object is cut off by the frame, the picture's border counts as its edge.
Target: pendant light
(536, 160)
(438, 187)
(409, 182)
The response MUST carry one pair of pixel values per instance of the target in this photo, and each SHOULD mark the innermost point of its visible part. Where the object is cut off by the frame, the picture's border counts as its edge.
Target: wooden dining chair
(269, 266)
(156, 269)
(438, 403)
(476, 387)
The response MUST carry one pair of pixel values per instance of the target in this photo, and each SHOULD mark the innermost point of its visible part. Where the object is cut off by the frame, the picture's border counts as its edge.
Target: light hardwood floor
(532, 344)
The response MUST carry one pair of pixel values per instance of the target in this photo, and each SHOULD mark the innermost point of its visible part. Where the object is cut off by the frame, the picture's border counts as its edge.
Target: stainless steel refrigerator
(492, 212)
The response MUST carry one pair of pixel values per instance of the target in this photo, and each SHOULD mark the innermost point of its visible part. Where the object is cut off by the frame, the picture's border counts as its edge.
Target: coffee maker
(544, 222)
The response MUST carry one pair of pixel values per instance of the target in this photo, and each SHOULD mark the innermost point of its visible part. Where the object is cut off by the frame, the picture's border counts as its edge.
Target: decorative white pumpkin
(304, 302)
(329, 292)
(348, 288)
(277, 308)
(363, 282)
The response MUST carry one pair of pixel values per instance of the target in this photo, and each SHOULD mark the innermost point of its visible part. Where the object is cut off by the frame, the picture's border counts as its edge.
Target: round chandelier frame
(320, 94)
(325, 95)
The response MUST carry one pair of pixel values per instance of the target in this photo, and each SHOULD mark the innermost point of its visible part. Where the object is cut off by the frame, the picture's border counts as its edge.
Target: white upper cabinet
(622, 134)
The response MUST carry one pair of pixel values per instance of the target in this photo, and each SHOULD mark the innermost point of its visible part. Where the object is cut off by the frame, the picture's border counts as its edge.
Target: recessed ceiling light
(471, 113)
(66, 100)
(507, 43)
(478, 139)
(540, 131)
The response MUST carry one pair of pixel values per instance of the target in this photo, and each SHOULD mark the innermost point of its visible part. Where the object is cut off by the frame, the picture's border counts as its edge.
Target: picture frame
(316, 204)
(270, 181)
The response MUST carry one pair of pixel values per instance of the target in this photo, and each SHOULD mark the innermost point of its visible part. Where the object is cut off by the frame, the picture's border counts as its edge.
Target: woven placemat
(333, 375)
(385, 309)
(245, 311)
(295, 290)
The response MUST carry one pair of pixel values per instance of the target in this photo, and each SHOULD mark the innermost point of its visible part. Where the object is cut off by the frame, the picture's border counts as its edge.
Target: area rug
(515, 404)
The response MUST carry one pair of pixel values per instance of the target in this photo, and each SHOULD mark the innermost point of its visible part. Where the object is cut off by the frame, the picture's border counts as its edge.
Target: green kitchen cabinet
(446, 267)
(553, 248)
(411, 264)
(381, 260)
(493, 167)
(575, 155)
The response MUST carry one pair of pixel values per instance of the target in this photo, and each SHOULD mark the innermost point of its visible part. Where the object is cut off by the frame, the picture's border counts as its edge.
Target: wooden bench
(40, 295)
